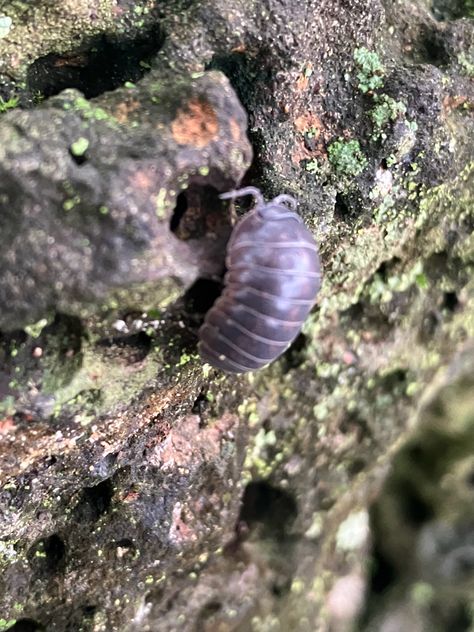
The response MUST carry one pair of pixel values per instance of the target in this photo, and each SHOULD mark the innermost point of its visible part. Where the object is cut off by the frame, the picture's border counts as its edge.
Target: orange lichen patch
(300, 153)
(76, 61)
(451, 103)
(196, 125)
(240, 48)
(311, 125)
(308, 121)
(186, 445)
(125, 108)
(143, 179)
(234, 130)
(6, 425)
(130, 496)
(303, 79)
(181, 532)
(40, 440)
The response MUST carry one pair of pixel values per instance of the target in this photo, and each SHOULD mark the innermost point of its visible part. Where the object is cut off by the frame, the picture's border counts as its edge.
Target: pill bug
(273, 276)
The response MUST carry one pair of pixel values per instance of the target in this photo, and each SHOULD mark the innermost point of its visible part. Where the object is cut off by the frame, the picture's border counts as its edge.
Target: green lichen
(370, 70)
(346, 157)
(79, 147)
(162, 205)
(5, 25)
(385, 110)
(313, 167)
(186, 357)
(89, 111)
(466, 64)
(70, 203)
(382, 290)
(35, 329)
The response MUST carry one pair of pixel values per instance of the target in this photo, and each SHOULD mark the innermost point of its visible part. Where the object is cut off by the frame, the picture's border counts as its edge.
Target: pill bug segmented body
(273, 276)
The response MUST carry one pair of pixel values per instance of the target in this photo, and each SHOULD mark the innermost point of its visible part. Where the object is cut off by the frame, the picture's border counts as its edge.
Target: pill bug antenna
(231, 195)
(286, 199)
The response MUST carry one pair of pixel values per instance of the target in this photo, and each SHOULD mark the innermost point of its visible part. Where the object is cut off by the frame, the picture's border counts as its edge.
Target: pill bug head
(281, 207)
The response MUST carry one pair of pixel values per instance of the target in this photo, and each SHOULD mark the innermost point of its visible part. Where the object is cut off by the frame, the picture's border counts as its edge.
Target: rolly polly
(273, 276)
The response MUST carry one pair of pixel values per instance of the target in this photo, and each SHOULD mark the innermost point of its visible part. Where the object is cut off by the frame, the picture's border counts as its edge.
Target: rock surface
(143, 491)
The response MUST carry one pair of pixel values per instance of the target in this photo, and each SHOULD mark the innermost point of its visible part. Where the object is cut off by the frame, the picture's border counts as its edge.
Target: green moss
(346, 157)
(10, 104)
(370, 70)
(185, 358)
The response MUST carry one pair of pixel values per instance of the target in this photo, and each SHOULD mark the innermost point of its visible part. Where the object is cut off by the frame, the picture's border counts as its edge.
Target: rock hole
(396, 378)
(102, 64)
(294, 356)
(199, 212)
(341, 209)
(273, 508)
(450, 301)
(452, 9)
(202, 295)
(25, 625)
(179, 211)
(248, 74)
(460, 619)
(127, 349)
(125, 548)
(432, 48)
(89, 611)
(200, 404)
(385, 269)
(356, 466)
(415, 510)
(78, 159)
(95, 502)
(47, 556)
(209, 610)
(280, 589)
(383, 573)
